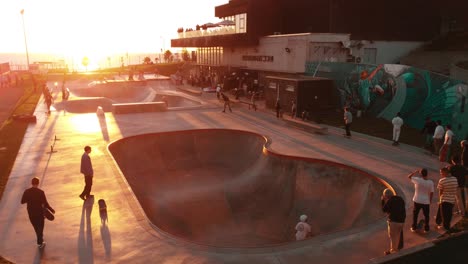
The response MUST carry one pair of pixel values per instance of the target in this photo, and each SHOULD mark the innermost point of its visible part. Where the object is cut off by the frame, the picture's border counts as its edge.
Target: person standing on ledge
(36, 202)
(394, 206)
(302, 228)
(438, 138)
(397, 122)
(448, 186)
(87, 170)
(348, 119)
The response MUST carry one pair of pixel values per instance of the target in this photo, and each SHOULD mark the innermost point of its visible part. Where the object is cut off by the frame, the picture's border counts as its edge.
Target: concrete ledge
(312, 127)
(25, 118)
(146, 107)
(190, 90)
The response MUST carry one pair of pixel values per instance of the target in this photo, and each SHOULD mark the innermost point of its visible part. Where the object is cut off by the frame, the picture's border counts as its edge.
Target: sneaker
(41, 246)
(413, 230)
(387, 252)
(426, 231)
(439, 226)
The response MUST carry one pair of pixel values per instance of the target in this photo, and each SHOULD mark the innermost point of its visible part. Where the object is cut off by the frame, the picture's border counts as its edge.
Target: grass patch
(12, 132)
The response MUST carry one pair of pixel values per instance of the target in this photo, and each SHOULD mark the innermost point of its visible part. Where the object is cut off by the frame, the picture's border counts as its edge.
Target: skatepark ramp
(225, 188)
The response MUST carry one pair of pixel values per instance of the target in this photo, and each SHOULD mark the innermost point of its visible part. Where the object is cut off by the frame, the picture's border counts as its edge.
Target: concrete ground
(52, 148)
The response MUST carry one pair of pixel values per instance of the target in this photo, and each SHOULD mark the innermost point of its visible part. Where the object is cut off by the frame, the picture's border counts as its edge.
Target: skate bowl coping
(226, 188)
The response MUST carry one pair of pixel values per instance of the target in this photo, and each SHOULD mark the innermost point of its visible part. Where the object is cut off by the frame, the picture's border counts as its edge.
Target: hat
(303, 218)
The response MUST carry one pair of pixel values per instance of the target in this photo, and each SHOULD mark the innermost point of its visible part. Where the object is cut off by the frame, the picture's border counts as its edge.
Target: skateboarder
(227, 102)
(348, 119)
(36, 200)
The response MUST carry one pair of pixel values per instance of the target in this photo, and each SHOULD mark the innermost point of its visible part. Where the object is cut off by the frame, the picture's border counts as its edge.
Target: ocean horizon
(18, 61)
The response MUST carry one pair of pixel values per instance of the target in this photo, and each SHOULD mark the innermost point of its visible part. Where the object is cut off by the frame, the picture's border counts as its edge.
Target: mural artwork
(387, 89)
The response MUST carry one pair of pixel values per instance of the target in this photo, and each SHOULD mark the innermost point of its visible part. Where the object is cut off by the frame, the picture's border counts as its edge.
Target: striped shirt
(448, 185)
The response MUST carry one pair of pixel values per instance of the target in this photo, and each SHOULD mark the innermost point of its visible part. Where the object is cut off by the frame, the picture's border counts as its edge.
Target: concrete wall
(436, 61)
(387, 51)
(459, 73)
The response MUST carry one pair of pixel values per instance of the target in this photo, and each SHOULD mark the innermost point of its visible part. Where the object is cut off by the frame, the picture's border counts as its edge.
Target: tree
(167, 55)
(85, 62)
(147, 60)
(185, 55)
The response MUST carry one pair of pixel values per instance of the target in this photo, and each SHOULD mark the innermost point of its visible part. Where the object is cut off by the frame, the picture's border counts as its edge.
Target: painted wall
(387, 89)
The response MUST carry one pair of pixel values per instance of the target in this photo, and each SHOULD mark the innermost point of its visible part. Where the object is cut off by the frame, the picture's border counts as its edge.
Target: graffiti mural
(384, 90)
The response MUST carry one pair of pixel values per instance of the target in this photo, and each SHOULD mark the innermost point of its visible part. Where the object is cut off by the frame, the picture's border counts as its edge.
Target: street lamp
(25, 42)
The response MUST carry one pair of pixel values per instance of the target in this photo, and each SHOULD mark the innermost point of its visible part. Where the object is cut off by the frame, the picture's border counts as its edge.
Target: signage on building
(257, 58)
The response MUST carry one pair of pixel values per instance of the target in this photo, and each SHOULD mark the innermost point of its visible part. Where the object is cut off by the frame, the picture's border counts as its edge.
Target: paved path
(77, 235)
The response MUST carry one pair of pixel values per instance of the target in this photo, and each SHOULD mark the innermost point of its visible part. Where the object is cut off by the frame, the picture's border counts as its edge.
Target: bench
(145, 107)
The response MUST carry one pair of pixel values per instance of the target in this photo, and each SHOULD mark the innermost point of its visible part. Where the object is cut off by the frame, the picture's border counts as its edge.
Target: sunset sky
(87, 27)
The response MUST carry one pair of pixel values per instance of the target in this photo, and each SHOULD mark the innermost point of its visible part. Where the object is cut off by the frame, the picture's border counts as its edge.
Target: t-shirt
(302, 229)
(348, 117)
(397, 122)
(439, 132)
(459, 172)
(422, 190)
(395, 208)
(448, 137)
(449, 187)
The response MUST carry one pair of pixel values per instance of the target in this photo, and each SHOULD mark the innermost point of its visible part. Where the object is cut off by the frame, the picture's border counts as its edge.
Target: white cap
(303, 218)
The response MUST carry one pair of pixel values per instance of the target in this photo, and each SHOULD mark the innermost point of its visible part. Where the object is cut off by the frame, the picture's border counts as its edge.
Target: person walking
(252, 101)
(302, 228)
(445, 150)
(278, 108)
(464, 153)
(428, 132)
(423, 193)
(293, 109)
(397, 122)
(218, 91)
(438, 137)
(447, 196)
(394, 207)
(461, 173)
(227, 102)
(348, 119)
(36, 204)
(87, 170)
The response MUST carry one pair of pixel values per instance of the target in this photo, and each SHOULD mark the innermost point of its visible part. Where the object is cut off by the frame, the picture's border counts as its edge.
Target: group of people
(37, 203)
(452, 187)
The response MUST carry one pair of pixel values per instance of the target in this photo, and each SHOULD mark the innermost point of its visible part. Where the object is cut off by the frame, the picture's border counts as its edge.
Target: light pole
(25, 42)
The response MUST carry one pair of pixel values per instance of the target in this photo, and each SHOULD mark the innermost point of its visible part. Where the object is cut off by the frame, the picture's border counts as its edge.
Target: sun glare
(85, 123)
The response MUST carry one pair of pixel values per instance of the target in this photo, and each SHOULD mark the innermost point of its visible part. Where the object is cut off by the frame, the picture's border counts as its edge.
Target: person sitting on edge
(302, 228)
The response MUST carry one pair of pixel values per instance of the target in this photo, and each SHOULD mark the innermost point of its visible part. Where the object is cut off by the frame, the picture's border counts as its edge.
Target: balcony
(213, 31)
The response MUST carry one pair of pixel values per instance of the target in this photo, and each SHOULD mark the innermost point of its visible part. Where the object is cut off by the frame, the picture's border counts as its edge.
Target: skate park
(134, 231)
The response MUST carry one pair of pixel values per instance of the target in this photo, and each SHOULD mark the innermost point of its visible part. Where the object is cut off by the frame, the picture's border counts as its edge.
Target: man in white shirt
(348, 119)
(218, 91)
(423, 193)
(397, 122)
(445, 149)
(438, 137)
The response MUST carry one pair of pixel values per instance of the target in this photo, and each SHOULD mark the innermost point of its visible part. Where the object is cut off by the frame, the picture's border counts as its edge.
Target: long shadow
(103, 124)
(85, 236)
(106, 240)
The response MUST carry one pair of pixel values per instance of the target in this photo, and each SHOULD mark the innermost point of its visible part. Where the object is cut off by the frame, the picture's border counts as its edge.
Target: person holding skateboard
(423, 193)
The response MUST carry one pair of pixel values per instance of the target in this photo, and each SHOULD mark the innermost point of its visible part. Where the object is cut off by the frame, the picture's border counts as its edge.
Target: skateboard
(102, 210)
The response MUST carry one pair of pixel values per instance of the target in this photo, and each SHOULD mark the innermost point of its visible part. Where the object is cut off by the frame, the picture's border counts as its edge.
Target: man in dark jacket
(36, 202)
(394, 206)
(87, 170)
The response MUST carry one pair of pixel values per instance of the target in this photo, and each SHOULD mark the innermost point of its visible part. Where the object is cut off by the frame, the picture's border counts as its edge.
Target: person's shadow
(85, 237)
